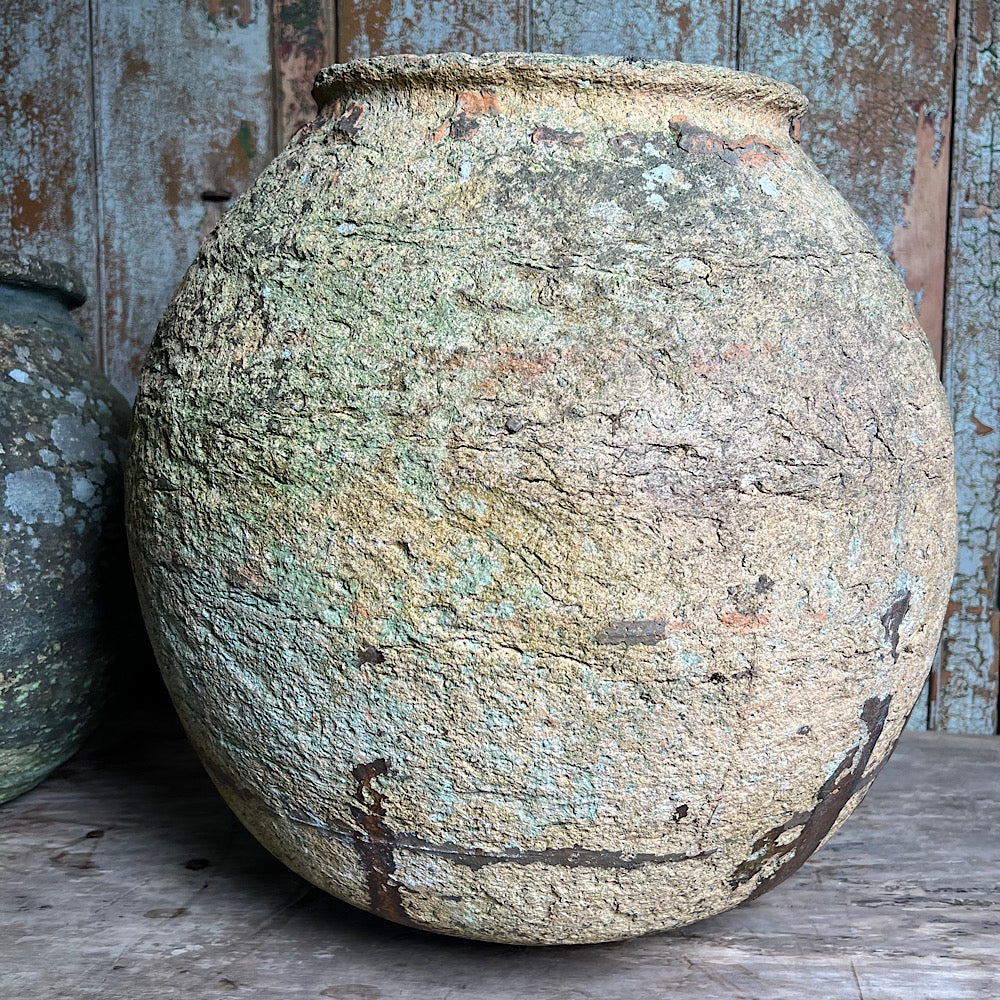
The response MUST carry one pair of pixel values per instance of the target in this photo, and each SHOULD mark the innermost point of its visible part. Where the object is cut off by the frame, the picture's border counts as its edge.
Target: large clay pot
(64, 584)
(542, 496)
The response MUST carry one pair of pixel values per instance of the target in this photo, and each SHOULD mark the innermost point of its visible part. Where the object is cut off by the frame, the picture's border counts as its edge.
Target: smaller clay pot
(65, 589)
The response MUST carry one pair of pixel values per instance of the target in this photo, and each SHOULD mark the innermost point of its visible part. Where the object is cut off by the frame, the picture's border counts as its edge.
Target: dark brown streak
(848, 780)
(545, 136)
(634, 633)
(627, 142)
(347, 126)
(893, 618)
(561, 857)
(564, 857)
(376, 843)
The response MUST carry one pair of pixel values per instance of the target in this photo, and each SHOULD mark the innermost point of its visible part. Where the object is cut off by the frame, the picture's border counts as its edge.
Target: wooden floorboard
(125, 876)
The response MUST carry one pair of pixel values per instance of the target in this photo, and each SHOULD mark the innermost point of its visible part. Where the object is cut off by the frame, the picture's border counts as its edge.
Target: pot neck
(592, 81)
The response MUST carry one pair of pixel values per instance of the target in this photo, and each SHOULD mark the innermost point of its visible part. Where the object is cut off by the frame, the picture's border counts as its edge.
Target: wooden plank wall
(966, 679)
(165, 111)
(183, 122)
(48, 195)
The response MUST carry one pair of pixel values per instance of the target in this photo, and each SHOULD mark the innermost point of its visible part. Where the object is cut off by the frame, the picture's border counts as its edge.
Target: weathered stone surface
(65, 592)
(542, 496)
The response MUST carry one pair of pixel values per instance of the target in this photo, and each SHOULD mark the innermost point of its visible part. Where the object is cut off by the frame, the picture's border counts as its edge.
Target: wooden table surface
(125, 876)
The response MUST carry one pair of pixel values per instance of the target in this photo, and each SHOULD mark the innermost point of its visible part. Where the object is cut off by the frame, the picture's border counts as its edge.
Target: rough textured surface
(542, 497)
(109, 895)
(63, 574)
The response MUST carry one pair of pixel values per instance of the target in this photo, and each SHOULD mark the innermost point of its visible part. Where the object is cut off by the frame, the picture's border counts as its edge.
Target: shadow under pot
(65, 589)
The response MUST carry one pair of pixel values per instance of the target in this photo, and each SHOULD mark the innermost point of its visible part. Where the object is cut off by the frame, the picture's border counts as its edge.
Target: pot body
(542, 496)
(62, 538)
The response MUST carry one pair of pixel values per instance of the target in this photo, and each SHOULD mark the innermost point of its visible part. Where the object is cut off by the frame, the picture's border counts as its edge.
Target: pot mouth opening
(457, 69)
(39, 274)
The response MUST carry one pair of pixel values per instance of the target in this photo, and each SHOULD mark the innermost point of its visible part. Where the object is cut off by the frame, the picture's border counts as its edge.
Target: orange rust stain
(994, 671)
(135, 363)
(42, 198)
(735, 351)
(989, 582)
(171, 166)
(817, 616)
(918, 244)
(953, 608)
(361, 22)
(27, 211)
(740, 623)
(973, 609)
(989, 565)
(981, 428)
(135, 64)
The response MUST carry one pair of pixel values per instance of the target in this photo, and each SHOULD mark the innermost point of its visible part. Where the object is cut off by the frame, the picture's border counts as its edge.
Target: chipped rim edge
(652, 76)
(40, 274)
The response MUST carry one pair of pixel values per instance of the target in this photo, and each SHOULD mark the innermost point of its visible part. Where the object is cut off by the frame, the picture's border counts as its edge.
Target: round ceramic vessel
(63, 566)
(542, 496)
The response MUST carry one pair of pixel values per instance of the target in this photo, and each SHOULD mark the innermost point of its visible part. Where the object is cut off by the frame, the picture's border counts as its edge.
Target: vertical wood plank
(702, 31)
(381, 27)
(183, 111)
(966, 689)
(879, 81)
(47, 192)
(304, 40)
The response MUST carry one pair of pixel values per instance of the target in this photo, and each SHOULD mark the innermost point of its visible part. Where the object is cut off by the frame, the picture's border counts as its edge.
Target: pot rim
(40, 274)
(652, 76)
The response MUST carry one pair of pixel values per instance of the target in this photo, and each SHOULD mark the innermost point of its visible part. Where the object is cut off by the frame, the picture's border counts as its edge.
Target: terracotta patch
(751, 150)
(740, 623)
(464, 121)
